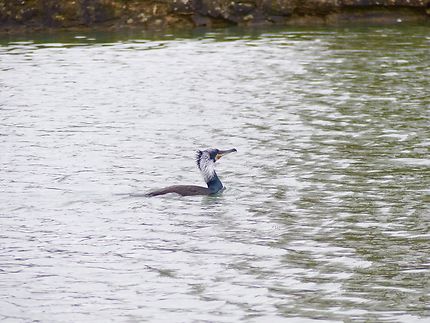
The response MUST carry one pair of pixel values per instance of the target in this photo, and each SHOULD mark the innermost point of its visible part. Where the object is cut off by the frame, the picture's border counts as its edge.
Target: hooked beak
(222, 153)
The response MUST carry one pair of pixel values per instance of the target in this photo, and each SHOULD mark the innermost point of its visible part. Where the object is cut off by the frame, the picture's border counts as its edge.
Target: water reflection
(325, 215)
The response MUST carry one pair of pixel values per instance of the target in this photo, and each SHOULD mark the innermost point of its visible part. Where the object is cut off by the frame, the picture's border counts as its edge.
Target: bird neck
(214, 183)
(207, 168)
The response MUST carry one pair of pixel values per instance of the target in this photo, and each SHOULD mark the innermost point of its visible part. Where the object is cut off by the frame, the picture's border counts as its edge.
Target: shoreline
(114, 15)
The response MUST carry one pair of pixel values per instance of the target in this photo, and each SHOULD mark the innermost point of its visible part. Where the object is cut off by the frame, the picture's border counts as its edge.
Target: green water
(326, 214)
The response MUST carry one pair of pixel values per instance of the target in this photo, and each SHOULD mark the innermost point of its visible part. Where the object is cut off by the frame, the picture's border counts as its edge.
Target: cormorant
(206, 163)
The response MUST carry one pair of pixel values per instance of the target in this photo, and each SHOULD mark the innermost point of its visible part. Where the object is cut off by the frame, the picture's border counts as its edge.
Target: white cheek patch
(206, 165)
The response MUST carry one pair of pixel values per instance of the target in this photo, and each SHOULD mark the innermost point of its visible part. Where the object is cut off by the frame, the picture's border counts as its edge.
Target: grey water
(326, 212)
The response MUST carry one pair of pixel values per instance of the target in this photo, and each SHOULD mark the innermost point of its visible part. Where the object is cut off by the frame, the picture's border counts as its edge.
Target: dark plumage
(184, 190)
(206, 163)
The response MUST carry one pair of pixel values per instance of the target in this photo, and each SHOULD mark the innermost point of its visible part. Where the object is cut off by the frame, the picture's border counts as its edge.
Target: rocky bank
(30, 15)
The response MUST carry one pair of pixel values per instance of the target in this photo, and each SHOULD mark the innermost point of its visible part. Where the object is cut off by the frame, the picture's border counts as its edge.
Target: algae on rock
(40, 14)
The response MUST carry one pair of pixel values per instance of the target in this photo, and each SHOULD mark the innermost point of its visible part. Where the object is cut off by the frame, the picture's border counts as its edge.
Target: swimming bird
(205, 160)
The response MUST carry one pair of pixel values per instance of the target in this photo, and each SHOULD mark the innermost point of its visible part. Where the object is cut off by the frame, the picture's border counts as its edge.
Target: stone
(38, 14)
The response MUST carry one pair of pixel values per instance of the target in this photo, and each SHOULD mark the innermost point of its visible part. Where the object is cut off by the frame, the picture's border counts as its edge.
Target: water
(326, 212)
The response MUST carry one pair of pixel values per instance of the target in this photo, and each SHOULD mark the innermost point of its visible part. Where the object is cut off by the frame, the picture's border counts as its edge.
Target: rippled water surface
(326, 213)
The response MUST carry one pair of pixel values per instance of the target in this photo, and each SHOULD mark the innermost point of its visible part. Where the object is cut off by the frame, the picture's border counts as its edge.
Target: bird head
(206, 159)
(216, 154)
(212, 154)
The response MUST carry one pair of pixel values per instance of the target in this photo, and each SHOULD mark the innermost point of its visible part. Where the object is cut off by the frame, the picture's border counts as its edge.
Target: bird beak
(222, 153)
